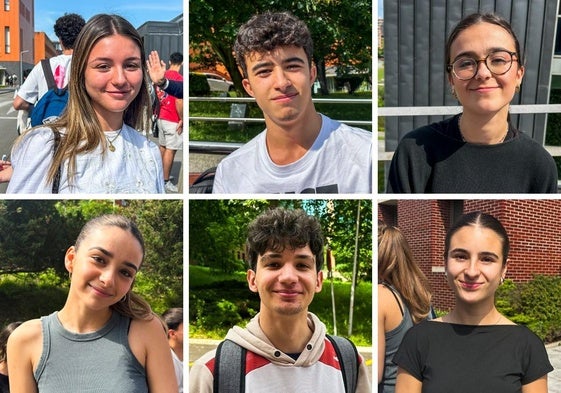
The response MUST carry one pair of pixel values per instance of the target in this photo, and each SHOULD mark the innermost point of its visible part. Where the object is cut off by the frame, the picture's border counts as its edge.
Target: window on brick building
(6, 5)
(7, 39)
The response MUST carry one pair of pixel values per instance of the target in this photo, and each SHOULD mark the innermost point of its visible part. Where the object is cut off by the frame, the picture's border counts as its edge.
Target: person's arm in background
(157, 71)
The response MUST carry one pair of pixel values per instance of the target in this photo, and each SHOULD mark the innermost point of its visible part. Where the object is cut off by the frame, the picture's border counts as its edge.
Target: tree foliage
(217, 231)
(35, 234)
(341, 31)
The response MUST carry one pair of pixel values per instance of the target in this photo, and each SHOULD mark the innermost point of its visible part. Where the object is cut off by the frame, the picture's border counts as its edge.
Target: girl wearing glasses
(479, 150)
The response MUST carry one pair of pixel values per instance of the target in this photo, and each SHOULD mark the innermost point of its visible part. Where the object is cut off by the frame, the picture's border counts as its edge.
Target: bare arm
(21, 104)
(538, 386)
(156, 68)
(24, 350)
(407, 383)
(5, 171)
(149, 343)
(179, 109)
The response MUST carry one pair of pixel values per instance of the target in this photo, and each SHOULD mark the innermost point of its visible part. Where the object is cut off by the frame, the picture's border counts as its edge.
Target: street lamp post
(21, 65)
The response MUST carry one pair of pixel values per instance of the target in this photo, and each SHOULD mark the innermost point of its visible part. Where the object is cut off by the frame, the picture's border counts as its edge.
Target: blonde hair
(397, 267)
(83, 130)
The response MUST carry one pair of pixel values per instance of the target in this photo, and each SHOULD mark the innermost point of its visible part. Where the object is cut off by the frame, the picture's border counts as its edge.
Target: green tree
(341, 31)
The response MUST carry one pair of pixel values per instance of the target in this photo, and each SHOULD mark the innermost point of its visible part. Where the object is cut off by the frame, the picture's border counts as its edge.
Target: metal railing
(384, 155)
(228, 147)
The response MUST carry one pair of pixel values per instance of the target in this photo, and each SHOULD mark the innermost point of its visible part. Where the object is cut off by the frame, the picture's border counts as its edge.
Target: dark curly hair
(176, 58)
(267, 31)
(67, 28)
(279, 228)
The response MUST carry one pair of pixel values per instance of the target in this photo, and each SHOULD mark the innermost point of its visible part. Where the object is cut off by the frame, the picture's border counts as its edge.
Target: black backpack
(204, 182)
(229, 365)
(51, 105)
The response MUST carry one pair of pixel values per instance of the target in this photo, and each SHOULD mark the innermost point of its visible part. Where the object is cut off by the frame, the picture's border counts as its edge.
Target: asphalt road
(8, 134)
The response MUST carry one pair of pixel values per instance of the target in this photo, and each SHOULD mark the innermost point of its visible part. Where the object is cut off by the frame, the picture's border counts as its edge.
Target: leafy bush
(534, 304)
(198, 85)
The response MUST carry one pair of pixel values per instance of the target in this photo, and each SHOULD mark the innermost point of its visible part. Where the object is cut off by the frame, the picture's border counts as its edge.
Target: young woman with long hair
(95, 146)
(403, 299)
(105, 338)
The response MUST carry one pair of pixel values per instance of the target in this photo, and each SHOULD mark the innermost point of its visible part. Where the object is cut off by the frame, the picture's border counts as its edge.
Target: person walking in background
(301, 150)
(403, 300)
(478, 150)
(170, 121)
(105, 338)
(173, 318)
(4, 334)
(94, 147)
(473, 348)
(287, 346)
(67, 28)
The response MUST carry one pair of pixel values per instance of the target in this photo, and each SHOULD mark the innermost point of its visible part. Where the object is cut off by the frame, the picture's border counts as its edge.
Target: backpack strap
(348, 359)
(49, 77)
(229, 368)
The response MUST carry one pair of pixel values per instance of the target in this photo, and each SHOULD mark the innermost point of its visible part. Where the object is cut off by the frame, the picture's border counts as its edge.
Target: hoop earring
(517, 89)
(124, 299)
(453, 92)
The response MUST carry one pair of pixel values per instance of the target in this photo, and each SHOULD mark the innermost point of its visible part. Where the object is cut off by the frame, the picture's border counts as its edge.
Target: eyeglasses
(499, 63)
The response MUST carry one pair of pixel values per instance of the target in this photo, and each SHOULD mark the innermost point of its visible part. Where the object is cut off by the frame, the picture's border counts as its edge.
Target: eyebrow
(480, 254)
(111, 255)
(109, 59)
(264, 64)
(490, 50)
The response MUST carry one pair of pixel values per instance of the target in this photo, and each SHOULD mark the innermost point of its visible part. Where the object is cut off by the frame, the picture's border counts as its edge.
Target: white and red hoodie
(270, 370)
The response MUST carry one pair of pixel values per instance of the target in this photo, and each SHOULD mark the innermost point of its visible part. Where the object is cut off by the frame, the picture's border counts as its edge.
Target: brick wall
(534, 228)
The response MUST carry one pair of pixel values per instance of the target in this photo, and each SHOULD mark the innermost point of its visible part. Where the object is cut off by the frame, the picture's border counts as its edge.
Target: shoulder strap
(46, 64)
(348, 359)
(229, 368)
(394, 293)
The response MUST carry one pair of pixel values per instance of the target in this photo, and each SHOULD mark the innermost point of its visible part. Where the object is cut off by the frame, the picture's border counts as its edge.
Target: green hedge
(198, 85)
(535, 304)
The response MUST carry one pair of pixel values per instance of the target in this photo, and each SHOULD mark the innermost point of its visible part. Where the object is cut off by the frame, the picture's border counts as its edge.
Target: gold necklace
(110, 141)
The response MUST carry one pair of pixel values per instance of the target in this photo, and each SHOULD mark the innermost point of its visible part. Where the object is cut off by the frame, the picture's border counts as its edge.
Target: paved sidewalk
(554, 377)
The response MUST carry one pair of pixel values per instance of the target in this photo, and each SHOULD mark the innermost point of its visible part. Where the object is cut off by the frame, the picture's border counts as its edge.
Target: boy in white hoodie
(287, 348)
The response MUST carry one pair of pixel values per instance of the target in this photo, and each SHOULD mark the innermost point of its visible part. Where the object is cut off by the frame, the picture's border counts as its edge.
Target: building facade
(16, 37)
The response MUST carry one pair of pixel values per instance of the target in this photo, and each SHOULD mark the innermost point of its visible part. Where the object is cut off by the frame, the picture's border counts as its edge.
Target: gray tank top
(98, 362)
(393, 340)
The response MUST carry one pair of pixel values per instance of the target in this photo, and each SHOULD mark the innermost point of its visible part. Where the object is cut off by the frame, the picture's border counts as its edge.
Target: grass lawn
(220, 132)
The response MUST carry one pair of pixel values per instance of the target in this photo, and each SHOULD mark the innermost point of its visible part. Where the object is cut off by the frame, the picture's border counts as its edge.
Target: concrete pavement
(554, 377)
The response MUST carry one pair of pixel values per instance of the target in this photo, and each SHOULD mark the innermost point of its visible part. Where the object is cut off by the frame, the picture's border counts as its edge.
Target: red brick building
(534, 228)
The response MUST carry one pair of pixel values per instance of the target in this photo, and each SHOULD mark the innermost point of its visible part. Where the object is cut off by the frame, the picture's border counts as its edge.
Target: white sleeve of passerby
(29, 90)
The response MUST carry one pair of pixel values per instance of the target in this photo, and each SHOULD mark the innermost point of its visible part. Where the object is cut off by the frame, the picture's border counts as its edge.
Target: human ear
(251, 281)
(69, 259)
(319, 281)
(247, 86)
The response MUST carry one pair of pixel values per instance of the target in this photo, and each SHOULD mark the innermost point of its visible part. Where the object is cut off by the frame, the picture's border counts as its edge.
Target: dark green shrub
(198, 85)
(534, 304)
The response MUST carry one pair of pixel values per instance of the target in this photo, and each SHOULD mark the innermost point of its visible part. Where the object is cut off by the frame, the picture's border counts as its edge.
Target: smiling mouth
(470, 285)
(285, 97)
(99, 291)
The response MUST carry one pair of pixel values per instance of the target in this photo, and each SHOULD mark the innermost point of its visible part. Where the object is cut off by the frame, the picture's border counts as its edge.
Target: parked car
(218, 83)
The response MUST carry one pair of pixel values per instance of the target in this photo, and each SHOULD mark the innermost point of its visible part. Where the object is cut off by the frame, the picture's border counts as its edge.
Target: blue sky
(380, 8)
(135, 11)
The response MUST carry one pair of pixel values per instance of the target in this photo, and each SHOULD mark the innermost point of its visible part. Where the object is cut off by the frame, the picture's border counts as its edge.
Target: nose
(107, 277)
(281, 80)
(472, 269)
(119, 77)
(483, 71)
(288, 274)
